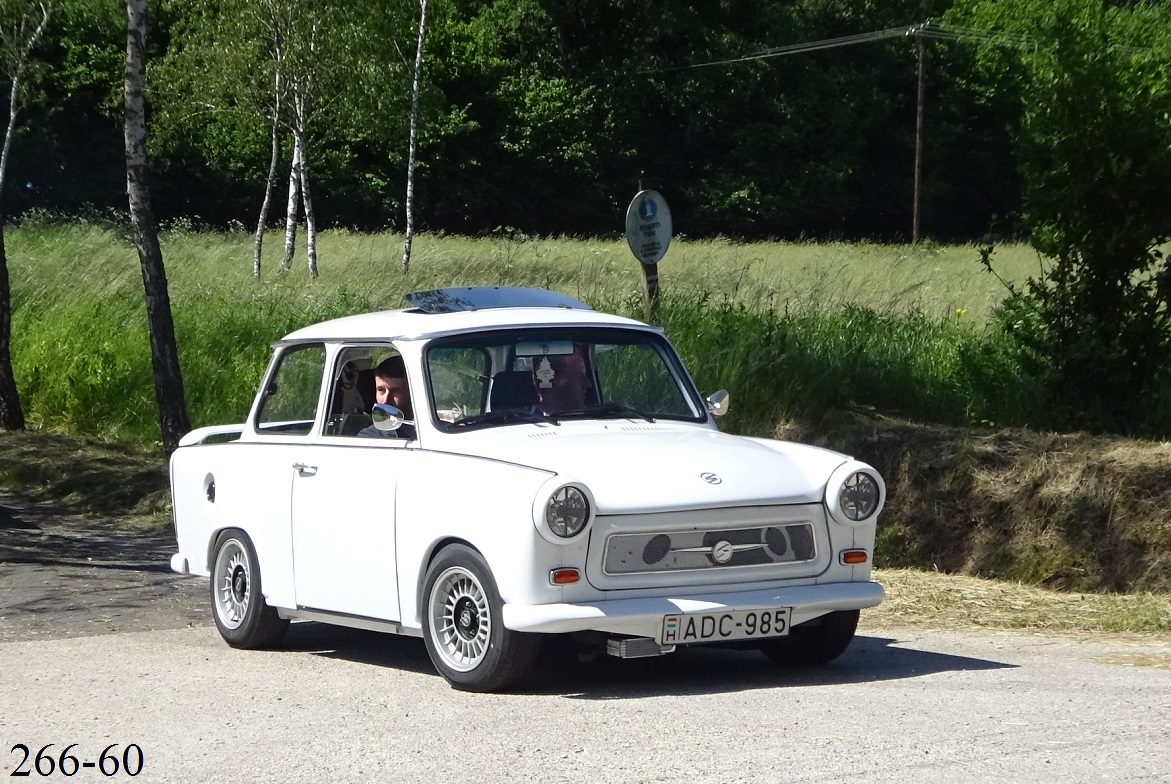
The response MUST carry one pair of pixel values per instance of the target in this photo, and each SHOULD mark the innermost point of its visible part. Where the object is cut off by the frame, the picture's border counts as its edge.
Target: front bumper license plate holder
(725, 625)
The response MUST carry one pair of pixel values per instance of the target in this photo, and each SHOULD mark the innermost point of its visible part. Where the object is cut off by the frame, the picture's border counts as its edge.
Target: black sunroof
(488, 297)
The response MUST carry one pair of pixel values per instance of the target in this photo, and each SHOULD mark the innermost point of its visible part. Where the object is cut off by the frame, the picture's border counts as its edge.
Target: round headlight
(567, 511)
(859, 496)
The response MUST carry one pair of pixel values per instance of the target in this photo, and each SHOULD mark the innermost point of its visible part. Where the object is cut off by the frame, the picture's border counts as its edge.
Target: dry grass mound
(919, 599)
(1072, 512)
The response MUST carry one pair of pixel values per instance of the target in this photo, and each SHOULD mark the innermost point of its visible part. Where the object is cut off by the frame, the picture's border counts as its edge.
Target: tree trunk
(270, 181)
(294, 201)
(410, 204)
(11, 414)
(310, 216)
(13, 110)
(306, 197)
(164, 353)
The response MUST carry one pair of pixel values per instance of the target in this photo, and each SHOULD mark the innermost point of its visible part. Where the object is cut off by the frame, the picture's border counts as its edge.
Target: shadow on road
(65, 576)
(690, 671)
(31, 536)
(359, 646)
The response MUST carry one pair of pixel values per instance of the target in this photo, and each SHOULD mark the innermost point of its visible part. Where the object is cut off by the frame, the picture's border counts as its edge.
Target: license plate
(725, 625)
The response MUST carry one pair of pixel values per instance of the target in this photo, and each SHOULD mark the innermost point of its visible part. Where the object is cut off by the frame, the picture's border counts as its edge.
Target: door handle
(305, 470)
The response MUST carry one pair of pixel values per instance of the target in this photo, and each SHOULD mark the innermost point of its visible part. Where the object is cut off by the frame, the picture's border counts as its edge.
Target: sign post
(648, 233)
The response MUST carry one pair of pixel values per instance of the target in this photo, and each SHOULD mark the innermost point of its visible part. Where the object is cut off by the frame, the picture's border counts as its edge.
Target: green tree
(1096, 158)
(315, 80)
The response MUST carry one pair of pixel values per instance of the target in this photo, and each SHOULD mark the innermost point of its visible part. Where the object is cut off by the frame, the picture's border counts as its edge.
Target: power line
(810, 46)
(932, 30)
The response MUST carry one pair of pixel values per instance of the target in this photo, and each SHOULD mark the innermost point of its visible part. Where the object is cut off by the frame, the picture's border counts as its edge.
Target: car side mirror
(717, 402)
(387, 417)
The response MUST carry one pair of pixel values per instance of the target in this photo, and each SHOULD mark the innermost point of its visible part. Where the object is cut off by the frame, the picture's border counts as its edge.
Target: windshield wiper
(506, 416)
(608, 411)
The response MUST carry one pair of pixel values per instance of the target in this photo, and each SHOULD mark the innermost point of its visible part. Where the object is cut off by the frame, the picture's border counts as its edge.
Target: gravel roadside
(65, 576)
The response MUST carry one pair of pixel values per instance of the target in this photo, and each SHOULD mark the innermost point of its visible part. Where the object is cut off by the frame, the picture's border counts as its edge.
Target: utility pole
(918, 33)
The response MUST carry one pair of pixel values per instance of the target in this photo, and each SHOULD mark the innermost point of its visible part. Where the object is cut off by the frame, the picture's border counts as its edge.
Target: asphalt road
(337, 705)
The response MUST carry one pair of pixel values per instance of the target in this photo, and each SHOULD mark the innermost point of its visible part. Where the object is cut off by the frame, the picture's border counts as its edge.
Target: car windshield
(553, 375)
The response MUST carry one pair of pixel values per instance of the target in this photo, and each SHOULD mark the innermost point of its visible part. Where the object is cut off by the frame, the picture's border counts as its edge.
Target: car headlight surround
(859, 496)
(563, 510)
(855, 494)
(567, 511)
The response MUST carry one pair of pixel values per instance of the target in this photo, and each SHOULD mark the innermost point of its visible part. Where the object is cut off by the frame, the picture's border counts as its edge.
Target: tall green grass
(792, 330)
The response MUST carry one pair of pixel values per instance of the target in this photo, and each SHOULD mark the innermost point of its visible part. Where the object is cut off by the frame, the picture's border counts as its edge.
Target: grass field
(784, 326)
(939, 281)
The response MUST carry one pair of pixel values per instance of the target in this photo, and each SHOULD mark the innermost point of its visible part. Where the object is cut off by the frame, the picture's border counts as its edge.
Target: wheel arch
(429, 558)
(214, 539)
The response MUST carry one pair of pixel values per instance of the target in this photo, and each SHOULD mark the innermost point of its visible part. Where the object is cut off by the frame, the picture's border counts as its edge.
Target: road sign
(648, 227)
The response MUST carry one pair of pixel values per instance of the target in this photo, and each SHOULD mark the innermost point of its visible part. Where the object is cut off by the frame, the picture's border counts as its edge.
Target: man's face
(570, 384)
(393, 390)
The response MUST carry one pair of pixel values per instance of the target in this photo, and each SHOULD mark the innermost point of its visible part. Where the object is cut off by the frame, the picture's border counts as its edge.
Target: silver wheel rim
(460, 619)
(233, 583)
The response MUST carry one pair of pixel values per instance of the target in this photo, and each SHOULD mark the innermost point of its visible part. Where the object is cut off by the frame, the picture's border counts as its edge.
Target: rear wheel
(241, 614)
(463, 626)
(816, 642)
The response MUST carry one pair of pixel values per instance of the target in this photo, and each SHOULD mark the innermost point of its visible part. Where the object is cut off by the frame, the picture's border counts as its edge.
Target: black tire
(817, 642)
(463, 626)
(241, 614)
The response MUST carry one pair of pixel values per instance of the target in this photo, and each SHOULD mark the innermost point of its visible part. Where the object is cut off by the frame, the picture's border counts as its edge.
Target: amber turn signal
(564, 576)
(852, 557)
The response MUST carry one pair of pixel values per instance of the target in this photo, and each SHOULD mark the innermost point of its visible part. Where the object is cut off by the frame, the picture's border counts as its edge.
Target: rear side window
(289, 404)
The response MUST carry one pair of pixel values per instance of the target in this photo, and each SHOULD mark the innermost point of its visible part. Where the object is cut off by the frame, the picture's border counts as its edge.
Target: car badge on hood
(722, 551)
(710, 478)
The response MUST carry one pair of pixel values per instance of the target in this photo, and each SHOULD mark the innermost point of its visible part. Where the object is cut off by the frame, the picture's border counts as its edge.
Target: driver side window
(354, 385)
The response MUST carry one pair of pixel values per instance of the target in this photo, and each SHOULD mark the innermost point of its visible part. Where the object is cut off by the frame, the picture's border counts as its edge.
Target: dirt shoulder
(64, 576)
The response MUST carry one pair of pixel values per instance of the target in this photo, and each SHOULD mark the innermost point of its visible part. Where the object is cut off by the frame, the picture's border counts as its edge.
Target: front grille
(692, 550)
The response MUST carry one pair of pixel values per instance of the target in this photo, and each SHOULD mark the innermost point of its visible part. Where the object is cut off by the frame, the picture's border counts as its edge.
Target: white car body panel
(260, 505)
(343, 528)
(637, 466)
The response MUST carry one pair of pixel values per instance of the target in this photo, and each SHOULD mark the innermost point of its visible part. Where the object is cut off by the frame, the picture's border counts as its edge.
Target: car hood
(643, 467)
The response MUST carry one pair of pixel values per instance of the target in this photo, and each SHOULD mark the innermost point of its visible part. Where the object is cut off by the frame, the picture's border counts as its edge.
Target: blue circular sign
(648, 226)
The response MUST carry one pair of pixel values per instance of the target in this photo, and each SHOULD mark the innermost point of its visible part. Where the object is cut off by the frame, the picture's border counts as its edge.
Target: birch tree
(415, 82)
(293, 206)
(164, 353)
(22, 24)
(274, 22)
(316, 73)
(306, 70)
(226, 66)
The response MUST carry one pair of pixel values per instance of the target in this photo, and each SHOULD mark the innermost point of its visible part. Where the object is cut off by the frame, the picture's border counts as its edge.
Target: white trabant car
(492, 465)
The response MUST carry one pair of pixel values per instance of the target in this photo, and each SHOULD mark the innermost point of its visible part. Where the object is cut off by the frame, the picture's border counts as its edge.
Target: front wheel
(819, 642)
(463, 628)
(241, 614)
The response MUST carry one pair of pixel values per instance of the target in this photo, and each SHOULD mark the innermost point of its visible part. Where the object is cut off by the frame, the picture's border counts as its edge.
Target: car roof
(415, 324)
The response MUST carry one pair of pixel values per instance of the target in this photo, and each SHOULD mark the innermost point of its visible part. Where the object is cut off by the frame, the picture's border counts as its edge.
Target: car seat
(512, 389)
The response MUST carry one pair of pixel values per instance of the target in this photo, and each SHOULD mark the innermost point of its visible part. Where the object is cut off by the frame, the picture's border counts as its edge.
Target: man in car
(563, 382)
(390, 388)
